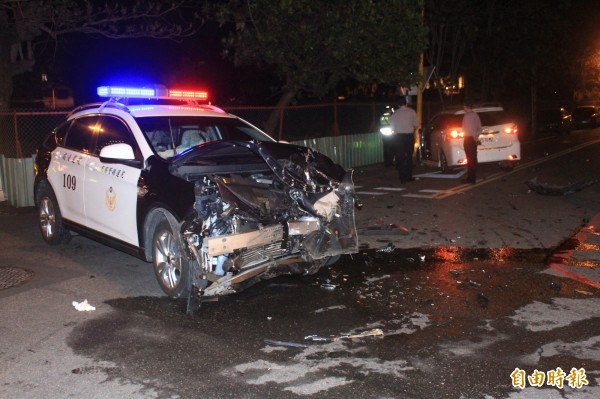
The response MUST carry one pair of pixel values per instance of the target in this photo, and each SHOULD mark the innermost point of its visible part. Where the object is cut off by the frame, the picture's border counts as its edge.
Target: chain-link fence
(21, 132)
(303, 122)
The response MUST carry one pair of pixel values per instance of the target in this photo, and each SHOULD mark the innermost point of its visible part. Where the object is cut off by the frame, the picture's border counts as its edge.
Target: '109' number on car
(69, 181)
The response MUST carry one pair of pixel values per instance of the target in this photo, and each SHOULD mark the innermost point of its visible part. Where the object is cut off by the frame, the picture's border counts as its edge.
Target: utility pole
(420, 89)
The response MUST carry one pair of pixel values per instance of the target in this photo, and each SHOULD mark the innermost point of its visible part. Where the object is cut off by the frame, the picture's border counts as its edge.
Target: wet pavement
(455, 323)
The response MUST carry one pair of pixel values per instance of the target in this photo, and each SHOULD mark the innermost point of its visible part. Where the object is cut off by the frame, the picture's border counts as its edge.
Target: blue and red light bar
(198, 95)
(151, 93)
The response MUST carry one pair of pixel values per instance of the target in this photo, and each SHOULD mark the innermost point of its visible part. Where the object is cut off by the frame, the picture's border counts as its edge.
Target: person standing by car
(404, 122)
(471, 127)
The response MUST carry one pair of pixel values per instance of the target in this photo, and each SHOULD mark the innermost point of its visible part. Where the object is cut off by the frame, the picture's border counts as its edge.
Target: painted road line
(440, 175)
(426, 196)
(371, 193)
(432, 194)
(390, 188)
(500, 175)
(456, 190)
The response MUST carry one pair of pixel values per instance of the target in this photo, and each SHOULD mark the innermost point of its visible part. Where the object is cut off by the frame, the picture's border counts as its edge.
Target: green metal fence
(349, 151)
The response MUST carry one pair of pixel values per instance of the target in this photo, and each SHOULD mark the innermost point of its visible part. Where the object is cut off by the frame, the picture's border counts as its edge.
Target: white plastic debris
(372, 333)
(329, 287)
(83, 306)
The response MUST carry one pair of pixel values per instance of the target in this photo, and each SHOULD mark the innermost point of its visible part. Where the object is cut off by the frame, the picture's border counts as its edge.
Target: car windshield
(169, 136)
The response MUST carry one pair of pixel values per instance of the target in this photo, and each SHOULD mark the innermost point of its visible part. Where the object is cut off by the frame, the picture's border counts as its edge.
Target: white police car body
(212, 201)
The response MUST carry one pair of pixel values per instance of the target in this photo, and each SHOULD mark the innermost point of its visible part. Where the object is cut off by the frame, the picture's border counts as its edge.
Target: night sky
(195, 62)
(84, 62)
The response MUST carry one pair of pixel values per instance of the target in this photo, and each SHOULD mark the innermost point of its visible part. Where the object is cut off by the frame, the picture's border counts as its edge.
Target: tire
(49, 217)
(316, 265)
(507, 166)
(330, 261)
(171, 267)
(444, 164)
(418, 157)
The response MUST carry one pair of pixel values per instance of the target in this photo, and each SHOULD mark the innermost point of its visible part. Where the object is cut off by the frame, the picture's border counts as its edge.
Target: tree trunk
(277, 115)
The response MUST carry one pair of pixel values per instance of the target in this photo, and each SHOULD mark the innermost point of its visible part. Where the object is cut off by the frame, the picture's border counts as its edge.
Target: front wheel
(50, 219)
(171, 267)
(316, 265)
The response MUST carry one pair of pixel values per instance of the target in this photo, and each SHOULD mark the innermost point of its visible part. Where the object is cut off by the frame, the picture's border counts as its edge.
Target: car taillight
(456, 134)
(511, 130)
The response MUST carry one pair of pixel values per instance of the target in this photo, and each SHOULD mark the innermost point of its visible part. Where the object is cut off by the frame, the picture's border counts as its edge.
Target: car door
(67, 167)
(436, 138)
(111, 188)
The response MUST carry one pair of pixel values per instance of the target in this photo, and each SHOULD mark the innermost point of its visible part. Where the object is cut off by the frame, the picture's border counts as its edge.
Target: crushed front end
(290, 213)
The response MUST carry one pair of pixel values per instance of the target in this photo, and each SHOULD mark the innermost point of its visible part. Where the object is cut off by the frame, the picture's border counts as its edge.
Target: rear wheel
(50, 219)
(171, 267)
(418, 157)
(507, 166)
(444, 164)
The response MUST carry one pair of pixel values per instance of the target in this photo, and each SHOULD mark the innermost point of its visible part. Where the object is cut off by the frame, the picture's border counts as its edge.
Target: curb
(563, 263)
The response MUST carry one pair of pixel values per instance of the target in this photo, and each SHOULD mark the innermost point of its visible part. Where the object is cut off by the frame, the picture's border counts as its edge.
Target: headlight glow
(386, 131)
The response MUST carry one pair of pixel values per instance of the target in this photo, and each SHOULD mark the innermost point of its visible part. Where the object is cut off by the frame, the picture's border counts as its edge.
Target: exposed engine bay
(290, 213)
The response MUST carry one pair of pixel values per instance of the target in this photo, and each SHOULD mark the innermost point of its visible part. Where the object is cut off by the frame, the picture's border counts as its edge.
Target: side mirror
(119, 153)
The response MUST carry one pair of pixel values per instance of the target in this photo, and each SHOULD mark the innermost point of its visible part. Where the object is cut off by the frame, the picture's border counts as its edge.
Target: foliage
(584, 42)
(314, 44)
(513, 45)
(451, 25)
(25, 23)
(588, 72)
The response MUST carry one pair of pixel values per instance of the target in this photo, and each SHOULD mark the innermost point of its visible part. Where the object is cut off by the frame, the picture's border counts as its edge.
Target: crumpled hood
(297, 166)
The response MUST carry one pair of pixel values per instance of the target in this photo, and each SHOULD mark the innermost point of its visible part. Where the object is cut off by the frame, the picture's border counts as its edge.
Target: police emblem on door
(111, 199)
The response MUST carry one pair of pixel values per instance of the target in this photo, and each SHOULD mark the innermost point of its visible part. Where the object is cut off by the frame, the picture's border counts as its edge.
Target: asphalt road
(455, 288)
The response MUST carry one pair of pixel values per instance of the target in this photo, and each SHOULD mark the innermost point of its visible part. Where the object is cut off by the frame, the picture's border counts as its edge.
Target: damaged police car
(211, 200)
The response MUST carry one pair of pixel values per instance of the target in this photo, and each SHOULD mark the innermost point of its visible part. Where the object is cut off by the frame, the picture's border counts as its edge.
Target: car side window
(60, 132)
(81, 134)
(115, 131)
(57, 136)
(437, 123)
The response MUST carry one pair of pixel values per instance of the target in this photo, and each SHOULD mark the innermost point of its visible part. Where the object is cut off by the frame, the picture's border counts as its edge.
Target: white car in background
(442, 139)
